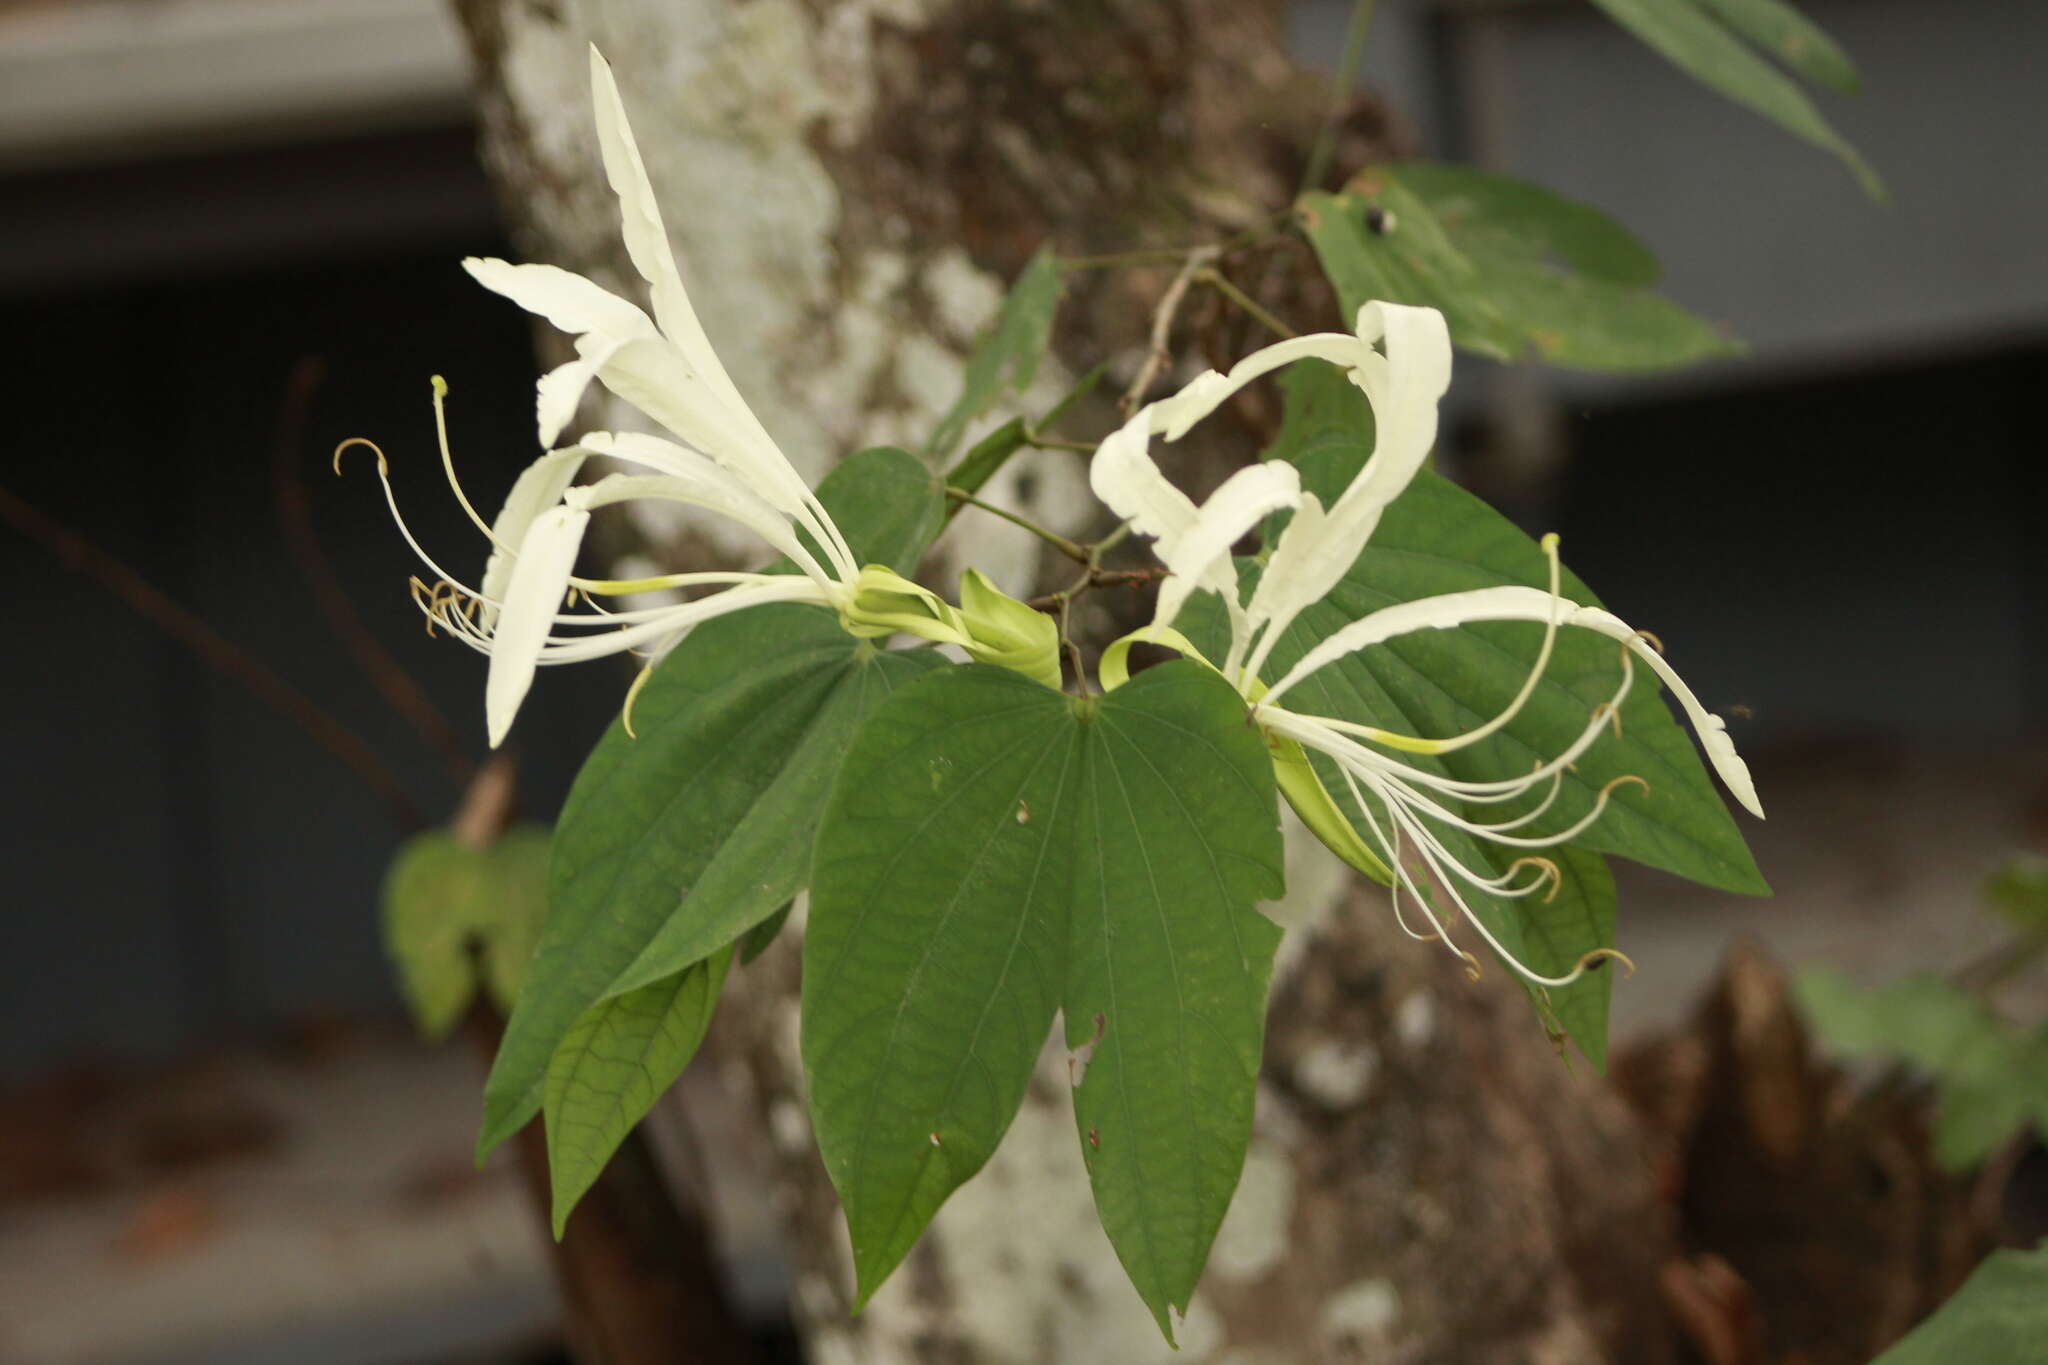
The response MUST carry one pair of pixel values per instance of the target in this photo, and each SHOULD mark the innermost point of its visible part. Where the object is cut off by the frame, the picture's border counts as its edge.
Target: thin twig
(1072, 549)
(188, 629)
(386, 674)
(1162, 325)
(1098, 578)
(1216, 280)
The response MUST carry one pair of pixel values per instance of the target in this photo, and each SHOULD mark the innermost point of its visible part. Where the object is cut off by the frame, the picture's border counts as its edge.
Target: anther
(1594, 960)
(383, 465)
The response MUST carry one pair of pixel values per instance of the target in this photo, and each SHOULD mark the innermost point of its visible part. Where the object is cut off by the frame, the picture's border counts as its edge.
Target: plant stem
(1072, 549)
(1325, 145)
(1162, 325)
(1216, 280)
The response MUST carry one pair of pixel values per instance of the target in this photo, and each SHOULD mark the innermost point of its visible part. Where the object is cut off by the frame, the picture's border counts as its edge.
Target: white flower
(722, 460)
(1401, 358)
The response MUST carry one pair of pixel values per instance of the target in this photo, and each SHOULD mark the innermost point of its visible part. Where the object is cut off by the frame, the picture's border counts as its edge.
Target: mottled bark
(848, 184)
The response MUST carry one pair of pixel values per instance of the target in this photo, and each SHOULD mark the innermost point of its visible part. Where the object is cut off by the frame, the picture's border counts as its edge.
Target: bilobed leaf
(995, 851)
(1998, 1317)
(1167, 973)
(614, 1064)
(677, 842)
(432, 895)
(516, 873)
(674, 843)
(1512, 267)
(1006, 358)
(933, 955)
(1704, 38)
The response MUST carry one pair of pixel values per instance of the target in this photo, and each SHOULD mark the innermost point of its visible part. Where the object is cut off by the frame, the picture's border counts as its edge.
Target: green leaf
(2019, 891)
(1792, 38)
(1007, 356)
(622, 1054)
(1703, 38)
(933, 955)
(1998, 1317)
(995, 851)
(1437, 538)
(1992, 1077)
(516, 872)
(673, 844)
(1503, 217)
(432, 895)
(756, 940)
(452, 912)
(1167, 977)
(1925, 1019)
(1512, 266)
(887, 504)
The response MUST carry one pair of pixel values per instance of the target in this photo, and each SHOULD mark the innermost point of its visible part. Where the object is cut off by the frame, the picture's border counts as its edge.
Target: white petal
(713, 490)
(558, 394)
(1515, 603)
(1129, 483)
(540, 577)
(1404, 394)
(538, 487)
(654, 377)
(1404, 388)
(647, 237)
(1206, 392)
(1200, 559)
(564, 298)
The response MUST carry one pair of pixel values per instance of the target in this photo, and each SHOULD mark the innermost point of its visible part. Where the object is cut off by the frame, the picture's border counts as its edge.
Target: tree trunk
(848, 184)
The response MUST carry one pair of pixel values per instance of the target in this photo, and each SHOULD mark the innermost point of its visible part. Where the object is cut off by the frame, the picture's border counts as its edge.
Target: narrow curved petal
(1404, 395)
(539, 486)
(646, 238)
(713, 490)
(653, 376)
(1206, 392)
(558, 394)
(1200, 557)
(1515, 603)
(1124, 476)
(1404, 387)
(564, 298)
(540, 578)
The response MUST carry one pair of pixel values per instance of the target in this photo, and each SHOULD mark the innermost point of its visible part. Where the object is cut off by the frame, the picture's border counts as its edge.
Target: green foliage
(1437, 538)
(456, 917)
(614, 1064)
(675, 843)
(1992, 1077)
(2019, 891)
(996, 851)
(1723, 45)
(1006, 358)
(1513, 268)
(1998, 1317)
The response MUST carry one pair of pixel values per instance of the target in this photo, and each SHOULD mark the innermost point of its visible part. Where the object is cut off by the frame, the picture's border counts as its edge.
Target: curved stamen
(440, 387)
(1492, 835)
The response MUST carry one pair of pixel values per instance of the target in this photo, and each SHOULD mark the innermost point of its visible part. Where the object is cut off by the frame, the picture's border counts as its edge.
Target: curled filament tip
(383, 465)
